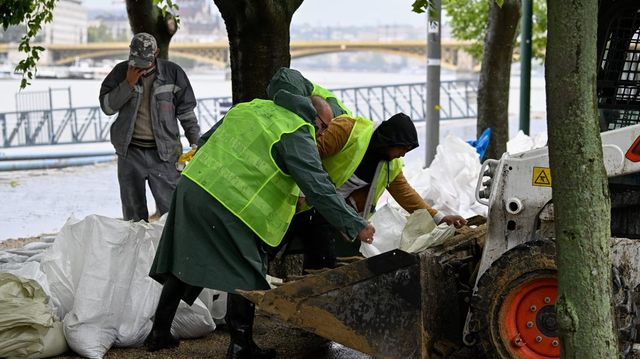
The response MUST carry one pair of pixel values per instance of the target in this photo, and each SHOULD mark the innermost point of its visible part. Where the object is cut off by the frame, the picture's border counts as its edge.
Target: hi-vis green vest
(235, 166)
(389, 171)
(325, 94)
(344, 163)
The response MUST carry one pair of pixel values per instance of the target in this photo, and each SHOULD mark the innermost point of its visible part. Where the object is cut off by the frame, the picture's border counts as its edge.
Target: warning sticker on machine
(541, 177)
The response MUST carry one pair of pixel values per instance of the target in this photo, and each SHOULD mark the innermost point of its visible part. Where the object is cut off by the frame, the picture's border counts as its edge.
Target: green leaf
(419, 6)
(500, 2)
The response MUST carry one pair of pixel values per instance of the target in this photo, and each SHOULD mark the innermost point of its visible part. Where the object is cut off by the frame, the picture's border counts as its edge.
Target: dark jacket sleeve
(299, 157)
(185, 104)
(115, 91)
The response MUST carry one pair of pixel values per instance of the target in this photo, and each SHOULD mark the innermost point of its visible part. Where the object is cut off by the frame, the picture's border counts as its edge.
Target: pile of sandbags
(94, 277)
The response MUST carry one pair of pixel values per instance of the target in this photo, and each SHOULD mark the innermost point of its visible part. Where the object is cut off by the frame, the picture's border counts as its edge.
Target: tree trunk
(258, 42)
(144, 16)
(580, 193)
(493, 90)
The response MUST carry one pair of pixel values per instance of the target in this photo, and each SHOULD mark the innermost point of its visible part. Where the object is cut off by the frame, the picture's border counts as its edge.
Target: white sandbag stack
(450, 181)
(98, 271)
(27, 322)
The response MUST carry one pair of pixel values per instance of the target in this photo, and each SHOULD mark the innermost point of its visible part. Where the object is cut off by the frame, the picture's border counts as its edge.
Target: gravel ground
(268, 333)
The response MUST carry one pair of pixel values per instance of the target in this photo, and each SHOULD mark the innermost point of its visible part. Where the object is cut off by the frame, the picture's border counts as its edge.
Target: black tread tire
(529, 260)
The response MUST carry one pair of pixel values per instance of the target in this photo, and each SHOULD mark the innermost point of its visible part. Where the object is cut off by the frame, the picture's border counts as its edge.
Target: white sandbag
(521, 142)
(105, 257)
(53, 343)
(29, 270)
(98, 271)
(448, 185)
(216, 302)
(25, 316)
(143, 292)
(389, 223)
(421, 232)
(8, 257)
(192, 321)
(419, 222)
(39, 246)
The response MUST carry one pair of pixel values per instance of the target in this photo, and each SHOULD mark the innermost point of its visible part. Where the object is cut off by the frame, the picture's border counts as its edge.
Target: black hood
(398, 130)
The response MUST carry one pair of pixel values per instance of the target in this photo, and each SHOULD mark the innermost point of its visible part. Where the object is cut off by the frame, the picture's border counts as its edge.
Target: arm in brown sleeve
(406, 196)
(335, 137)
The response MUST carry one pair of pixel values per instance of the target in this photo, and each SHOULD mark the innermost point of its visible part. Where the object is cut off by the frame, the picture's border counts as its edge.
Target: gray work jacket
(172, 98)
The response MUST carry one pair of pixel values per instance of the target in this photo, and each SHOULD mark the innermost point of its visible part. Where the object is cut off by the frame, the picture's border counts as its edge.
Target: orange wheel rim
(529, 325)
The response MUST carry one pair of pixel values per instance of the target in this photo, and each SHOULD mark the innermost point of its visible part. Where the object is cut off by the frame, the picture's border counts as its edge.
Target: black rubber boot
(160, 336)
(239, 319)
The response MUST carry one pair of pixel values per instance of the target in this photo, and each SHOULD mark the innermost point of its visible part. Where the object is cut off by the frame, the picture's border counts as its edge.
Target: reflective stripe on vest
(235, 166)
(325, 94)
(390, 170)
(344, 163)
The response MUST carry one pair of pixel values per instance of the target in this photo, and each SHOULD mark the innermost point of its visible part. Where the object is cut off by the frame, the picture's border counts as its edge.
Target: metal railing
(89, 124)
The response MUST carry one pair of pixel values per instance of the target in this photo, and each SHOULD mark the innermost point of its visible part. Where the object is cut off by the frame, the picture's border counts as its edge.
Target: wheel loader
(490, 290)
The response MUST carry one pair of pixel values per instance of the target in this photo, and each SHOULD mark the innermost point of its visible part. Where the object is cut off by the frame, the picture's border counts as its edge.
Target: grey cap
(142, 50)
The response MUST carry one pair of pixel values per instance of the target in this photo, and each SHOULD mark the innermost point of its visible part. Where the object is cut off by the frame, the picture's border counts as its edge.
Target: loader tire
(513, 309)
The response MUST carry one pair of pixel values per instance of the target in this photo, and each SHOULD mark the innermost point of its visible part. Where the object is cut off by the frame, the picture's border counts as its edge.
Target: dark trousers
(311, 234)
(134, 170)
(239, 318)
(173, 290)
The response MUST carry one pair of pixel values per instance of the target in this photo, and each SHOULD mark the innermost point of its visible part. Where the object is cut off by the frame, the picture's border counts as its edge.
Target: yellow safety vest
(344, 163)
(325, 94)
(389, 171)
(235, 166)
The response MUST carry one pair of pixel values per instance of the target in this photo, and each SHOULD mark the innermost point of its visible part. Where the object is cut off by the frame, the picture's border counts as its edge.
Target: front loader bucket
(372, 305)
(394, 305)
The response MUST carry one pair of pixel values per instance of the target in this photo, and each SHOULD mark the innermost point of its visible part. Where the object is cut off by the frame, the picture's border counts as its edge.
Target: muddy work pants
(134, 170)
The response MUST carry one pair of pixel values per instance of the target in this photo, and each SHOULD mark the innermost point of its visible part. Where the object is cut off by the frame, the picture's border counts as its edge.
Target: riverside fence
(71, 125)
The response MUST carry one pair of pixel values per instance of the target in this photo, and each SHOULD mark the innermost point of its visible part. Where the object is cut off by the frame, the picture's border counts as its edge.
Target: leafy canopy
(34, 13)
(469, 22)
(168, 6)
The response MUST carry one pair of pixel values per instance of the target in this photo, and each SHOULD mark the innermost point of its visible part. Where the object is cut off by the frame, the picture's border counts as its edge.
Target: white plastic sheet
(521, 142)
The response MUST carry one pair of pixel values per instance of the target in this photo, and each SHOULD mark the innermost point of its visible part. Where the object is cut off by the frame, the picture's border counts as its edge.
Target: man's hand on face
(133, 74)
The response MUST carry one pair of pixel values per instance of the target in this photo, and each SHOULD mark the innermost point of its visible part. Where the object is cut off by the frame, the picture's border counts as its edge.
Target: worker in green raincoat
(233, 202)
(363, 160)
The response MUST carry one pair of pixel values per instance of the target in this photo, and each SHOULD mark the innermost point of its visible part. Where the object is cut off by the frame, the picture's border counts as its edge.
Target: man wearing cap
(148, 94)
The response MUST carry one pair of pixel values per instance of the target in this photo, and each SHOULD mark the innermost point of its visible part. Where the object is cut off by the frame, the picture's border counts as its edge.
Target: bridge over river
(217, 53)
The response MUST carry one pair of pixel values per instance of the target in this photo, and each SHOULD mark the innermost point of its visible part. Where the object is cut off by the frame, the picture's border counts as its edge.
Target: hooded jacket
(337, 134)
(398, 130)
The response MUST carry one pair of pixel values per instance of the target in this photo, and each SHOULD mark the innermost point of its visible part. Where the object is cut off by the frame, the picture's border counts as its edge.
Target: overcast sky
(329, 12)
